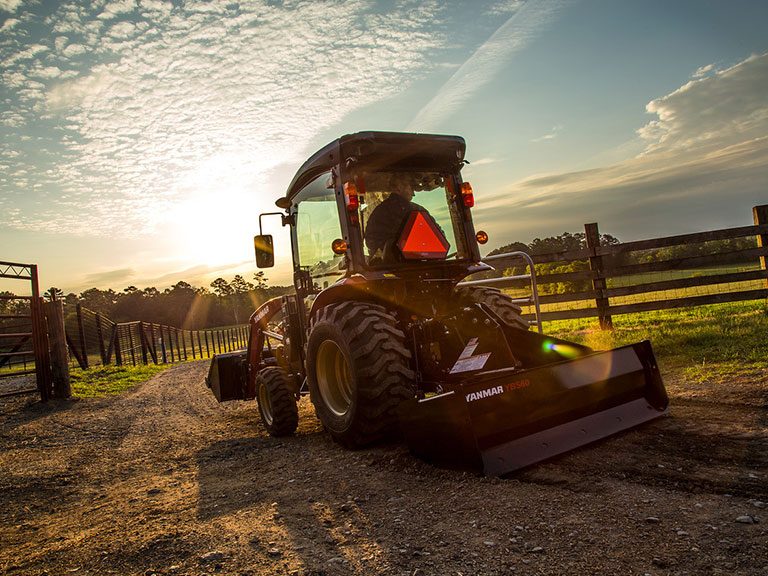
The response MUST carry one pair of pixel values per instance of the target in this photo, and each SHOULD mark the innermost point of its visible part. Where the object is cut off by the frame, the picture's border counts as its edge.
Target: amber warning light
(339, 246)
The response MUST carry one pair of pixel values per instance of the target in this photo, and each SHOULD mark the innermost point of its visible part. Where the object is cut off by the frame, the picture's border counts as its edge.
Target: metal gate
(23, 332)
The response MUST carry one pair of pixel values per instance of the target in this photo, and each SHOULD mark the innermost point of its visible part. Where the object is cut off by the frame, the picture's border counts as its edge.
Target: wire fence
(16, 350)
(95, 340)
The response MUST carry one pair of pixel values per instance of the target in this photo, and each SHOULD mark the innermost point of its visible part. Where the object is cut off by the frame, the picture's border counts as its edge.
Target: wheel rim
(334, 378)
(265, 402)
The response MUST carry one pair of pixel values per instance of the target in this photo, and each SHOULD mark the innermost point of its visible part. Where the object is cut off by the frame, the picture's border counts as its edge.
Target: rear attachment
(504, 420)
(228, 376)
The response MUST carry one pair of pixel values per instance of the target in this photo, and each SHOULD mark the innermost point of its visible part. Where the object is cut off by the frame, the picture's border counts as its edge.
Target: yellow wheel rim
(334, 378)
(266, 405)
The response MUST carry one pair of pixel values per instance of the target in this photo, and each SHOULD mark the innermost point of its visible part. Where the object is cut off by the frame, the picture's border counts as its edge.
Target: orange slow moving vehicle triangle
(422, 239)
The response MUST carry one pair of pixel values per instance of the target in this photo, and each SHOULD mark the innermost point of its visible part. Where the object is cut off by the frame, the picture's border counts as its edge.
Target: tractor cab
(377, 203)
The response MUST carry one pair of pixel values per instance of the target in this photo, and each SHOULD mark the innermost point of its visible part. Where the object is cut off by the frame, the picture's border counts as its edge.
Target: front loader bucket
(504, 420)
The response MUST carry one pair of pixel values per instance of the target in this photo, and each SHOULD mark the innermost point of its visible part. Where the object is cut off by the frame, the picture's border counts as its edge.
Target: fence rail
(611, 284)
(93, 339)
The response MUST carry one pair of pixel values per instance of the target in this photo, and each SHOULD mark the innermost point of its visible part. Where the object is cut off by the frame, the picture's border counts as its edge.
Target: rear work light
(467, 196)
(351, 197)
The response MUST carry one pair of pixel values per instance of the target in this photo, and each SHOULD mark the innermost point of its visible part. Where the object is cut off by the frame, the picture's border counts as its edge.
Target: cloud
(157, 107)
(115, 9)
(551, 135)
(483, 161)
(515, 34)
(504, 7)
(727, 107)
(109, 276)
(704, 166)
(703, 70)
(10, 5)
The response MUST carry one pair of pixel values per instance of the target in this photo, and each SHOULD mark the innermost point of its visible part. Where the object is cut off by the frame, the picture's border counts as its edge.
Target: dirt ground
(163, 480)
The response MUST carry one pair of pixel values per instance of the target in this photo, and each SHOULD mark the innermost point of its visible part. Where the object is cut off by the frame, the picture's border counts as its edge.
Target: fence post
(39, 339)
(199, 344)
(54, 313)
(111, 347)
(760, 216)
(143, 339)
(100, 336)
(81, 334)
(598, 279)
(178, 346)
(170, 343)
(153, 340)
(207, 349)
(184, 343)
(131, 343)
(162, 346)
(118, 347)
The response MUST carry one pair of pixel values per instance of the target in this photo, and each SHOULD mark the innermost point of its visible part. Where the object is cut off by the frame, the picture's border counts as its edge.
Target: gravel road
(163, 480)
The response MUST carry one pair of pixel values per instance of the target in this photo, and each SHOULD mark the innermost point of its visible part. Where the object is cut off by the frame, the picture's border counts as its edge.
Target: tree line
(568, 241)
(182, 305)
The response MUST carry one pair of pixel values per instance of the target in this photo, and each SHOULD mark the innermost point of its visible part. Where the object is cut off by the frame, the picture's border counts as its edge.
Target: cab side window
(317, 226)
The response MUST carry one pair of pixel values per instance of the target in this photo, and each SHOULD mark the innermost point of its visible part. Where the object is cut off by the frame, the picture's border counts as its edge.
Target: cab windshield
(409, 216)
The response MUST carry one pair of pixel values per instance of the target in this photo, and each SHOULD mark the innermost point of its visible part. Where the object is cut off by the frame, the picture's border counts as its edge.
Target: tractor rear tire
(358, 371)
(497, 301)
(276, 397)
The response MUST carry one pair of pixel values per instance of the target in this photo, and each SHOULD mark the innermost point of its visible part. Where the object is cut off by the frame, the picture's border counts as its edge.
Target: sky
(142, 138)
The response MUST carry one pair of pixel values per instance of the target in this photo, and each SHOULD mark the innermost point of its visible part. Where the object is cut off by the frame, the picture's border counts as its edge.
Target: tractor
(387, 338)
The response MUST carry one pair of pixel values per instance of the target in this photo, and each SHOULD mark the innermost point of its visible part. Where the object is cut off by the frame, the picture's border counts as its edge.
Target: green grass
(104, 380)
(702, 342)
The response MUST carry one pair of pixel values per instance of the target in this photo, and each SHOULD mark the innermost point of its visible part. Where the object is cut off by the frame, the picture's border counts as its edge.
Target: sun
(217, 214)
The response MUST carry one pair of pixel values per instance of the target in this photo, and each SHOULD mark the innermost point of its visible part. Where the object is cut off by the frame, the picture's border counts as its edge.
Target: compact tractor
(387, 340)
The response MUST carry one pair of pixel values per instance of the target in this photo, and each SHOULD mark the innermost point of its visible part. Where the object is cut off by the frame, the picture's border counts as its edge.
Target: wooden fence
(94, 339)
(611, 278)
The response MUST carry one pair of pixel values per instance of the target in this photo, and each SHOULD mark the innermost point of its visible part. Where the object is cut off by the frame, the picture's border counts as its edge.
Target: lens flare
(564, 350)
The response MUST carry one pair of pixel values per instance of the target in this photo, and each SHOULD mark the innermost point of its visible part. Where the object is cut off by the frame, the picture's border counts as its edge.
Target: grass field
(703, 342)
(104, 380)
(655, 296)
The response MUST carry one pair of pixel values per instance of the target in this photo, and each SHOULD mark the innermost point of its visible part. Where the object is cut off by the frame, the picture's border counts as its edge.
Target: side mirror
(265, 252)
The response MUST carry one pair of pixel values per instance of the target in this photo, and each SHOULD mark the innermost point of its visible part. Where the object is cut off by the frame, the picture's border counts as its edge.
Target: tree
(565, 242)
(240, 286)
(102, 301)
(221, 287)
(260, 279)
(53, 294)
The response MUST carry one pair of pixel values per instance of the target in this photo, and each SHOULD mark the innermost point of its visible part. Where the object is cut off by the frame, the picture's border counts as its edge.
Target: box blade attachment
(506, 420)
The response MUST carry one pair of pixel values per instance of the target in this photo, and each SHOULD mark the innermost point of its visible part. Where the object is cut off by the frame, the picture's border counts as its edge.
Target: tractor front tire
(358, 371)
(497, 301)
(276, 397)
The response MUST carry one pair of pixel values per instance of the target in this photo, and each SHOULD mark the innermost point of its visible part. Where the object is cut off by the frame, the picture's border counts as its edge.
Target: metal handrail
(532, 299)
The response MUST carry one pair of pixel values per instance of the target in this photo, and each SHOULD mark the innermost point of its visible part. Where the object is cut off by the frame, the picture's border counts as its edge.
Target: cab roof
(381, 151)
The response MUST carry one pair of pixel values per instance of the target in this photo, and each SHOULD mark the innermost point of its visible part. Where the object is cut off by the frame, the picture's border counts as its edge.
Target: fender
(355, 287)
(258, 323)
